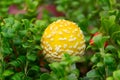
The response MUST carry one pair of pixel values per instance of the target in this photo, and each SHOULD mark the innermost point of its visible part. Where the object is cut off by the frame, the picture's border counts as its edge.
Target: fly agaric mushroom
(62, 36)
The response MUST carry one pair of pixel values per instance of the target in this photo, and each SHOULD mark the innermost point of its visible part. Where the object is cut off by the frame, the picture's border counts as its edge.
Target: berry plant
(22, 25)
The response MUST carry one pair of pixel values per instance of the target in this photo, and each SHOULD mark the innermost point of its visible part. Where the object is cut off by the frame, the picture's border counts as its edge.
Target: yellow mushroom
(62, 36)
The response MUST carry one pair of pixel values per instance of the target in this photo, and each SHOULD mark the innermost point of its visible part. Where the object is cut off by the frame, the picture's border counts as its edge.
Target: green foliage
(116, 74)
(7, 73)
(65, 70)
(17, 41)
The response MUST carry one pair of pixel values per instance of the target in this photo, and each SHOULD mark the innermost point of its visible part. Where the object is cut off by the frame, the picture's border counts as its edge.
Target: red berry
(91, 42)
(105, 44)
(95, 34)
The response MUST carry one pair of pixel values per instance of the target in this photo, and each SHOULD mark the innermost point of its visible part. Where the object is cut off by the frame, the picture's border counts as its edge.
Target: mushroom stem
(73, 66)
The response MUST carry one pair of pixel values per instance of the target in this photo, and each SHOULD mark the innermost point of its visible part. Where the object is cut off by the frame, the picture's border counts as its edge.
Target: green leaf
(72, 77)
(100, 40)
(9, 33)
(110, 48)
(17, 41)
(7, 50)
(45, 76)
(118, 53)
(112, 2)
(118, 41)
(35, 68)
(57, 68)
(75, 3)
(26, 45)
(21, 59)
(116, 75)
(8, 73)
(31, 57)
(17, 76)
(17, 25)
(93, 74)
(100, 64)
(38, 47)
(15, 63)
(115, 35)
(32, 5)
(18, 62)
(60, 8)
(70, 59)
(96, 58)
(9, 21)
(23, 32)
(26, 23)
(94, 30)
(109, 78)
(108, 59)
(112, 19)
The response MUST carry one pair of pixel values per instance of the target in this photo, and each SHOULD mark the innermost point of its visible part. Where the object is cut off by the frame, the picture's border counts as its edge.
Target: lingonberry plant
(23, 22)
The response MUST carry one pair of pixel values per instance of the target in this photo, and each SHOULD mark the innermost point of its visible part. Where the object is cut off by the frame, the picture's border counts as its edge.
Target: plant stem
(102, 51)
(73, 67)
(26, 67)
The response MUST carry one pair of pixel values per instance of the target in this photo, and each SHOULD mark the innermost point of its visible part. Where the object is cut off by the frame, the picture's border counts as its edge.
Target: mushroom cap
(62, 36)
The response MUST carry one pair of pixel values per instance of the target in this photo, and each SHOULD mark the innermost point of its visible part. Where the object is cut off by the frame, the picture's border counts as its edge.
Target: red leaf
(13, 9)
(51, 9)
